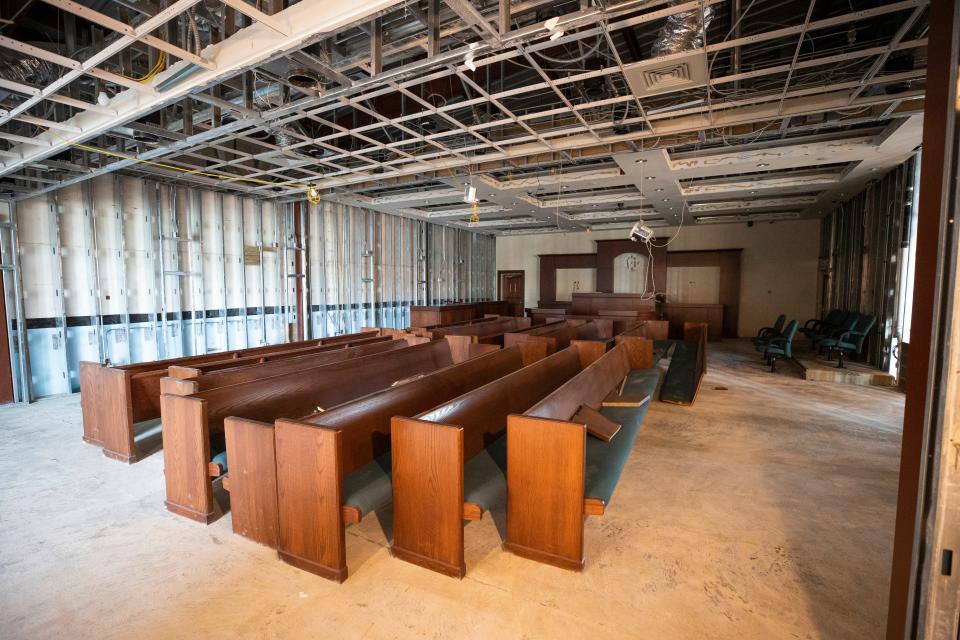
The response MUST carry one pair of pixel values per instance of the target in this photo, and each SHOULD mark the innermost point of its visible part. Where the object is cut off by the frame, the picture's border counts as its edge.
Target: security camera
(641, 232)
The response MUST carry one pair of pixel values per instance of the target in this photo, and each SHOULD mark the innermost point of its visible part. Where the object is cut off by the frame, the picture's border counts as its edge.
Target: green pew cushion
(369, 487)
(484, 475)
(606, 460)
(680, 382)
(221, 459)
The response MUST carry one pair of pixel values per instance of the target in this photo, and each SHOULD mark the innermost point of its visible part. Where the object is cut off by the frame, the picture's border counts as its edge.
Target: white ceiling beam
(248, 47)
(124, 29)
(255, 14)
(469, 14)
(26, 90)
(49, 124)
(37, 52)
(104, 54)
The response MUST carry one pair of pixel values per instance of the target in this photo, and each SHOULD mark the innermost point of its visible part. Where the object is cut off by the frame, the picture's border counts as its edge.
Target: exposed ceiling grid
(564, 115)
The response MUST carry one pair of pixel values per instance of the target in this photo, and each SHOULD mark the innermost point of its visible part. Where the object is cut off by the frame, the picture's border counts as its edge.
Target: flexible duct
(683, 31)
(25, 69)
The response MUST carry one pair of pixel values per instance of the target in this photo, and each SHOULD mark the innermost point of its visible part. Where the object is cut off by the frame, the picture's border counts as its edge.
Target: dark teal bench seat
(557, 472)
(605, 460)
(368, 488)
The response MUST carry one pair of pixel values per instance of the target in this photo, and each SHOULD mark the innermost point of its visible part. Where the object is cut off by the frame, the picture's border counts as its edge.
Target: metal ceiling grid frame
(406, 93)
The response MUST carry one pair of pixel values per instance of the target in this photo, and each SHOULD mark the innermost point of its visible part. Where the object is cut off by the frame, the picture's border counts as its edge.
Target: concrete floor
(764, 511)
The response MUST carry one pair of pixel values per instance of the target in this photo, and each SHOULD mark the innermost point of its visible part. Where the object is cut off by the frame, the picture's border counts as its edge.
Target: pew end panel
(513, 339)
(639, 351)
(252, 472)
(478, 349)
(589, 350)
(310, 496)
(183, 373)
(428, 494)
(460, 347)
(186, 456)
(545, 485)
(531, 352)
(91, 374)
(115, 413)
(178, 387)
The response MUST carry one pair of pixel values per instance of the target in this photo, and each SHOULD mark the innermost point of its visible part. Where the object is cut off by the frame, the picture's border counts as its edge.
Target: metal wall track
(130, 270)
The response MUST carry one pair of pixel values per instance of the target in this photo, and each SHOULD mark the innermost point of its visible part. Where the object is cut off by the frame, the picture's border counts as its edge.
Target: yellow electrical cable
(154, 70)
(312, 194)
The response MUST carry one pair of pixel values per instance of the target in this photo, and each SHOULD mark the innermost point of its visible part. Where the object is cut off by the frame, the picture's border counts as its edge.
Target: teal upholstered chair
(850, 341)
(847, 322)
(780, 346)
(814, 327)
(764, 335)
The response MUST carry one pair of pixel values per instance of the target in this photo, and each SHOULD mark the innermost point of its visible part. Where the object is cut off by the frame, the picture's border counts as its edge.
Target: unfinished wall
(127, 270)
(778, 271)
(867, 256)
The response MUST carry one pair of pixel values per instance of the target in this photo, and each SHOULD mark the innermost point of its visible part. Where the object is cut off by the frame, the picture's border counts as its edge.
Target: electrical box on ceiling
(653, 77)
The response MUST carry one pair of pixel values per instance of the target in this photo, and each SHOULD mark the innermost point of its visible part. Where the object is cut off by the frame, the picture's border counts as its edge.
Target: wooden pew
(681, 384)
(295, 485)
(184, 381)
(556, 474)
(114, 398)
(491, 331)
(471, 341)
(557, 336)
(448, 462)
(189, 421)
(650, 329)
(427, 330)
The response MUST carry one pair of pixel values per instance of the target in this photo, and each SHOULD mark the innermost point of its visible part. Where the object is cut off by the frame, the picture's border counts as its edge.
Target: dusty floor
(764, 511)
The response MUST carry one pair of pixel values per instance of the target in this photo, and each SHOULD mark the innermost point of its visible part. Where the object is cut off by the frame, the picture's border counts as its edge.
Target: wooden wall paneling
(728, 261)
(608, 250)
(549, 263)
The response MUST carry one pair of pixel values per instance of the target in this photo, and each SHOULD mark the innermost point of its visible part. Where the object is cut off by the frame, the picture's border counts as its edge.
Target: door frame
(523, 282)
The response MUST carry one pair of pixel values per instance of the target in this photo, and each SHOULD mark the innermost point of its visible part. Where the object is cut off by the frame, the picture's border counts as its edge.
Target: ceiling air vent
(653, 77)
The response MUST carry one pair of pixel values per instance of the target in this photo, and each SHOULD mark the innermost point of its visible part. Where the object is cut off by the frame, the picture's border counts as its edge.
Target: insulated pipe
(683, 31)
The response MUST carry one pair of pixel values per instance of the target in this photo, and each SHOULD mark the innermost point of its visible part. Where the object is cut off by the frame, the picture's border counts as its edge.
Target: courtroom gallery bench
(557, 336)
(185, 381)
(556, 473)
(295, 485)
(448, 462)
(190, 421)
(114, 398)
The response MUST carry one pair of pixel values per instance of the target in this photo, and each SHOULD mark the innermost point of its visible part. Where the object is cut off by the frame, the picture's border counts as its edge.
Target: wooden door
(511, 289)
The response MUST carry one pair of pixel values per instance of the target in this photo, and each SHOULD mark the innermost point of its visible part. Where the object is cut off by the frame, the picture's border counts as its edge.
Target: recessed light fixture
(763, 164)
(752, 192)
(666, 199)
(640, 161)
(659, 189)
(651, 177)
